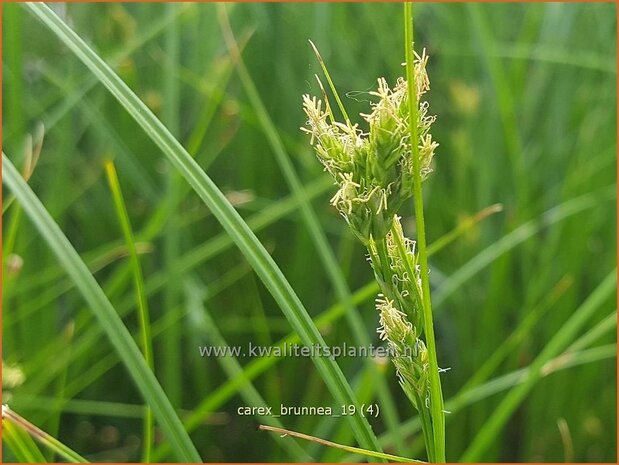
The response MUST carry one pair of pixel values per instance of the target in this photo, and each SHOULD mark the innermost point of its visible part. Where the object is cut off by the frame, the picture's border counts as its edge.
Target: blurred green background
(525, 96)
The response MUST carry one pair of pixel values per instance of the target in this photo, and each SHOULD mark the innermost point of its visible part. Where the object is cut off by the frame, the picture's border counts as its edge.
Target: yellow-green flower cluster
(401, 317)
(373, 169)
(410, 355)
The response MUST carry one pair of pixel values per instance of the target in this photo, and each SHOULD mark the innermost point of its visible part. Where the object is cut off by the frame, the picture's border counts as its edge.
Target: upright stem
(142, 302)
(436, 395)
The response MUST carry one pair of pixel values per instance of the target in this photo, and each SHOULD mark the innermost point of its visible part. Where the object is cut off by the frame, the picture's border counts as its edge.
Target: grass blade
(245, 239)
(331, 84)
(10, 417)
(501, 383)
(109, 320)
(308, 215)
(355, 450)
(142, 303)
(569, 330)
(519, 235)
(21, 444)
(171, 371)
(207, 326)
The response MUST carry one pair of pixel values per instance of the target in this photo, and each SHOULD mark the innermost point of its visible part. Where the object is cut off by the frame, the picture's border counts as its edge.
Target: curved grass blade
(308, 216)
(104, 311)
(368, 453)
(233, 223)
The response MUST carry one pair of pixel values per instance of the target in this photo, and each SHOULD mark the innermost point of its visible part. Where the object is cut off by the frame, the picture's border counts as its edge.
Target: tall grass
(375, 173)
(117, 333)
(254, 251)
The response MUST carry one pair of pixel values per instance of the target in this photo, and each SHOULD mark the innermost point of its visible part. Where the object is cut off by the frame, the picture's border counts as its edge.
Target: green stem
(436, 395)
(123, 217)
(426, 427)
(20, 444)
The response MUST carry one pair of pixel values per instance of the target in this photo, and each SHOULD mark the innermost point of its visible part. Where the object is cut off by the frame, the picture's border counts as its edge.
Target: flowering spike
(373, 170)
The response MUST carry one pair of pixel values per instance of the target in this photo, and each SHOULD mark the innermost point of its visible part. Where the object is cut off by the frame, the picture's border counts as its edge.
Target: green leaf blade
(229, 218)
(109, 320)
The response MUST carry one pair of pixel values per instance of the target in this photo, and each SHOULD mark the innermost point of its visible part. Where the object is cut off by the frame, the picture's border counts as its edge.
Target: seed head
(374, 174)
(373, 169)
(409, 353)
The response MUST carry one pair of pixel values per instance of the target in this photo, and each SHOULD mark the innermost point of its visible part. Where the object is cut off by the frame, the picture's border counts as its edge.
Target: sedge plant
(376, 171)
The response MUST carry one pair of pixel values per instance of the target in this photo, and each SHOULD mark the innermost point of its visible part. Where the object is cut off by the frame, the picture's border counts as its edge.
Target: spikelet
(409, 353)
(373, 170)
